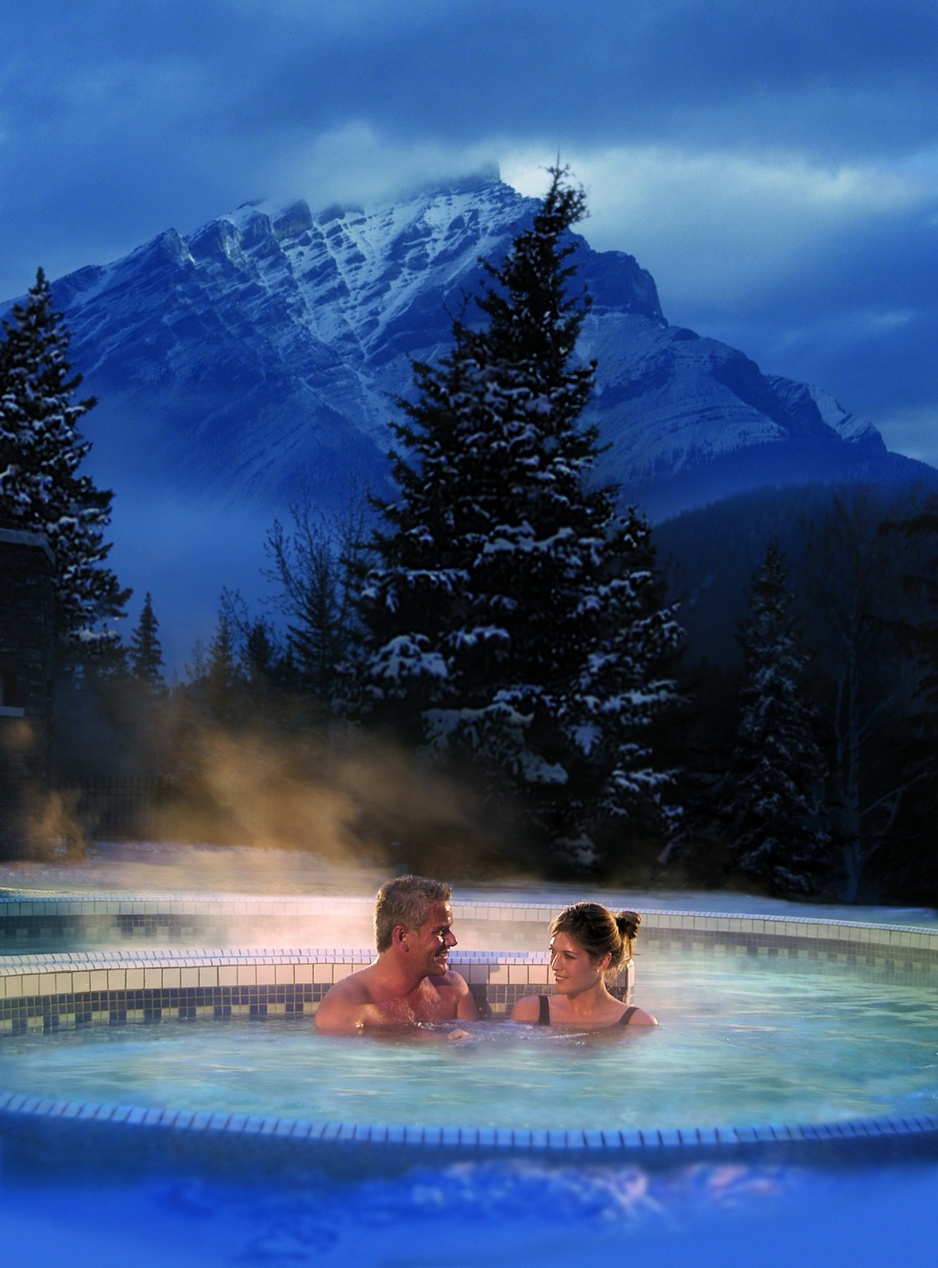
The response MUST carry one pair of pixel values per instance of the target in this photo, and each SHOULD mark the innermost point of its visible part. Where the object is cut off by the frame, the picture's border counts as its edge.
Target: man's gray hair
(406, 901)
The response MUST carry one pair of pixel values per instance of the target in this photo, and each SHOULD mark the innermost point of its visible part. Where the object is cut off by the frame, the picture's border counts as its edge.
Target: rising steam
(333, 795)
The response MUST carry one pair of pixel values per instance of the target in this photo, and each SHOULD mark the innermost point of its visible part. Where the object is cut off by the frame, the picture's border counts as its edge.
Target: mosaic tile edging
(52, 992)
(212, 1135)
(527, 968)
(24, 913)
(153, 915)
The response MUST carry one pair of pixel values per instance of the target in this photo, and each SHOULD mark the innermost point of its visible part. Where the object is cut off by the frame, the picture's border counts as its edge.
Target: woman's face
(574, 969)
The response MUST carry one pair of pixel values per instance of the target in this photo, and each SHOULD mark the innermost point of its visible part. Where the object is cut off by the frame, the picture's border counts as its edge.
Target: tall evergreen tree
(223, 680)
(515, 616)
(908, 864)
(773, 789)
(855, 597)
(41, 451)
(146, 654)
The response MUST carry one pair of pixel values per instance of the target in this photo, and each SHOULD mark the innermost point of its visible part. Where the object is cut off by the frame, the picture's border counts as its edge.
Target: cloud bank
(774, 166)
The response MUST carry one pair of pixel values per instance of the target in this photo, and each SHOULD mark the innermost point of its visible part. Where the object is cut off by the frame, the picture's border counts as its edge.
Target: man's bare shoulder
(344, 1003)
(353, 987)
(453, 988)
(450, 980)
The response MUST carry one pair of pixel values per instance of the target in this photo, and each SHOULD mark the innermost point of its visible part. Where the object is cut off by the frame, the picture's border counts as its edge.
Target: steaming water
(740, 1043)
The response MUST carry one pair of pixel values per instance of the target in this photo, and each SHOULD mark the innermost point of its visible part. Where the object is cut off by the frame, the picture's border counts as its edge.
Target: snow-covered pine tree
(41, 489)
(146, 654)
(772, 799)
(515, 616)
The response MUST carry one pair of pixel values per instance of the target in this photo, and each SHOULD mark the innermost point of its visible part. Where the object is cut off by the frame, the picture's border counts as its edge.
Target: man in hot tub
(410, 983)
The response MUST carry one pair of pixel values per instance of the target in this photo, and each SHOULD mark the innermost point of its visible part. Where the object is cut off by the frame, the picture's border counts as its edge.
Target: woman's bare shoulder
(528, 1008)
(640, 1018)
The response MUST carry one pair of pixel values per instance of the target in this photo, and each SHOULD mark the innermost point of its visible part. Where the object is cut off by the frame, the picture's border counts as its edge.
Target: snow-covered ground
(196, 868)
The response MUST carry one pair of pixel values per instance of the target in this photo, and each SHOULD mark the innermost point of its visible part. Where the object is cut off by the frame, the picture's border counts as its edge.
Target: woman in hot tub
(588, 945)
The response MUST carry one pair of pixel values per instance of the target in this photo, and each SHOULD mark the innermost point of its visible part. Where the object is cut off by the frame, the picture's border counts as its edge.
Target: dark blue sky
(774, 165)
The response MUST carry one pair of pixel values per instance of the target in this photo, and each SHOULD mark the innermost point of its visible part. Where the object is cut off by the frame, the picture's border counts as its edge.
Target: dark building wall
(27, 658)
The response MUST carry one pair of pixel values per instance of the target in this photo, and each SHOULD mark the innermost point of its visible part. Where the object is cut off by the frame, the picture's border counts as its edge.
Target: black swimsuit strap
(543, 1016)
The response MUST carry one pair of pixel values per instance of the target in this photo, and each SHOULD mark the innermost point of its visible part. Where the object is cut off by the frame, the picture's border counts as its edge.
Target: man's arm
(466, 1009)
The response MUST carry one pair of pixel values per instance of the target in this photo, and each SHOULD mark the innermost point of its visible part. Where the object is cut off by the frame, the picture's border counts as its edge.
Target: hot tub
(709, 976)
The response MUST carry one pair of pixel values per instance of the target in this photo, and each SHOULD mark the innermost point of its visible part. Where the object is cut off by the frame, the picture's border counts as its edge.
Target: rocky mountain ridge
(256, 361)
(262, 353)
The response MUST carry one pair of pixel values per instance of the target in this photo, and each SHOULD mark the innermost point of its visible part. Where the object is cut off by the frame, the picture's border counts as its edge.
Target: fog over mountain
(256, 361)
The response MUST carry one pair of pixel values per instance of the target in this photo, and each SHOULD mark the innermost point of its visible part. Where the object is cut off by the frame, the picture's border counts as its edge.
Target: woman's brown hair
(599, 932)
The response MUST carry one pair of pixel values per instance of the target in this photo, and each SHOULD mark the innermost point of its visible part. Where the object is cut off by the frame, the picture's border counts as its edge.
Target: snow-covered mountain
(257, 359)
(261, 354)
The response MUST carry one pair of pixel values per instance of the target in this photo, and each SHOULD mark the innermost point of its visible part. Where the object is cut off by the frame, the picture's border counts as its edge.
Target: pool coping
(222, 1138)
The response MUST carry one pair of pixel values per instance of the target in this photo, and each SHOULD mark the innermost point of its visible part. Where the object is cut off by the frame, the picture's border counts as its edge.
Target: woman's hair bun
(628, 922)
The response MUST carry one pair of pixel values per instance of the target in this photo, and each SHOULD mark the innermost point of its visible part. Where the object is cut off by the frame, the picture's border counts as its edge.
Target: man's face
(433, 940)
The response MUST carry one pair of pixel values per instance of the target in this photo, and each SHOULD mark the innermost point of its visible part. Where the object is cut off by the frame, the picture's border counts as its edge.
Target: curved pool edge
(42, 991)
(125, 1140)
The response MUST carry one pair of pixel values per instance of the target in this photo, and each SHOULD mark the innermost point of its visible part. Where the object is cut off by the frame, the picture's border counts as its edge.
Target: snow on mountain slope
(262, 353)
(257, 360)
(673, 403)
(264, 350)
